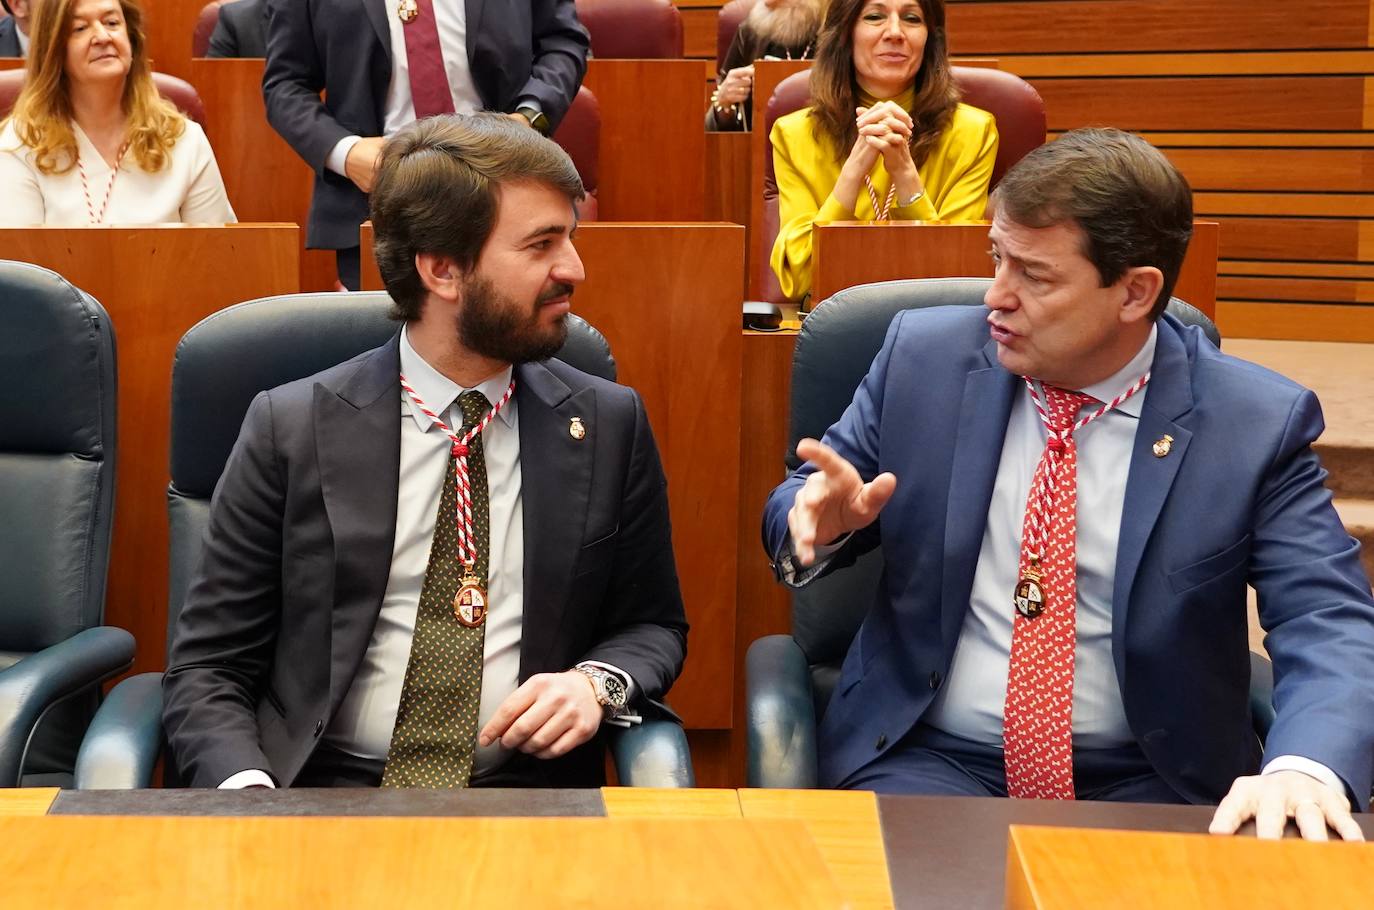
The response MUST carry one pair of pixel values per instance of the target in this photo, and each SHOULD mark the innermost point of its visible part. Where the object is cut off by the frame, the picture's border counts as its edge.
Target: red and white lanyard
(1055, 445)
(467, 539)
(880, 214)
(93, 216)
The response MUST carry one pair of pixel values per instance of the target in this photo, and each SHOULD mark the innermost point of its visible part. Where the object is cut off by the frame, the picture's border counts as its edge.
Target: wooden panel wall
(1268, 108)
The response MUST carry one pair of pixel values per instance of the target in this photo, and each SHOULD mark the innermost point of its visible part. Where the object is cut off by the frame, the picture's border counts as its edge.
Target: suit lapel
(983, 416)
(358, 438)
(555, 478)
(475, 9)
(1168, 397)
(376, 14)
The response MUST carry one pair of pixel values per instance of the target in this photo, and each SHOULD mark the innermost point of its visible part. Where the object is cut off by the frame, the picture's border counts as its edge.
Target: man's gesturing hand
(834, 501)
(1272, 799)
(548, 716)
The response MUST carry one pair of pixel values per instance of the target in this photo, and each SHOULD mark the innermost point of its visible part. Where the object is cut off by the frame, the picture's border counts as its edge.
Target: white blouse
(188, 189)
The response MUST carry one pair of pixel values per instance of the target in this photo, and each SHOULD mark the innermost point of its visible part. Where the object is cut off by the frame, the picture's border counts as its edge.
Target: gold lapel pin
(576, 429)
(1163, 445)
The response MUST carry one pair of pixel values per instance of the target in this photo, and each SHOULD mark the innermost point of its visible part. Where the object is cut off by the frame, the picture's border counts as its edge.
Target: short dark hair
(1133, 205)
(436, 192)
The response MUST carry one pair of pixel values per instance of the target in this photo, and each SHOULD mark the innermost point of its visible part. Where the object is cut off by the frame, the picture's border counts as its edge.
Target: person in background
(401, 61)
(885, 136)
(241, 30)
(773, 30)
(14, 30)
(90, 141)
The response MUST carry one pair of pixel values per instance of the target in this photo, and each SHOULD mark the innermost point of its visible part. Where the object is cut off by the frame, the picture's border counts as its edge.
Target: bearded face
(786, 22)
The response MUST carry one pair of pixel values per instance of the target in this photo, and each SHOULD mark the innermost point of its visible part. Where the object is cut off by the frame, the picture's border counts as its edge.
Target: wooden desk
(667, 298)
(653, 144)
(851, 252)
(946, 851)
(155, 282)
(1064, 869)
(264, 177)
(150, 863)
(27, 800)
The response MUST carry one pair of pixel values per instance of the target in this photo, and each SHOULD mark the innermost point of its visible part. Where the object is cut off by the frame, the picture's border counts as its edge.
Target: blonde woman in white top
(90, 141)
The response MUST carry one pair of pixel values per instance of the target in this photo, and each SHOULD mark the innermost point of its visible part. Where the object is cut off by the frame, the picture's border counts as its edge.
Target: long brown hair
(835, 86)
(42, 113)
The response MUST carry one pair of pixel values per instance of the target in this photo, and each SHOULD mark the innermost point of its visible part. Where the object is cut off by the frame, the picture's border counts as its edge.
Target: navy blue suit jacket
(1240, 499)
(9, 37)
(533, 48)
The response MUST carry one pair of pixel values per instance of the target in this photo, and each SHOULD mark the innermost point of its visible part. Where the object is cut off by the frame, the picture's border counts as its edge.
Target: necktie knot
(474, 406)
(1063, 406)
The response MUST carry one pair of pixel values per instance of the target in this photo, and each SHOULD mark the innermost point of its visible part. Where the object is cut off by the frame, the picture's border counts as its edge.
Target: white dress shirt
(450, 17)
(188, 189)
(23, 41)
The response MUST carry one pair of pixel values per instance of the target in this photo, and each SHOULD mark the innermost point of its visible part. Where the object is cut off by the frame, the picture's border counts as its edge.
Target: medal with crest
(1030, 595)
(470, 603)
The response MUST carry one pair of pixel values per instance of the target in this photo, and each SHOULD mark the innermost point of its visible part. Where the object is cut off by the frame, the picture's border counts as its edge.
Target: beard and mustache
(790, 23)
(495, 325)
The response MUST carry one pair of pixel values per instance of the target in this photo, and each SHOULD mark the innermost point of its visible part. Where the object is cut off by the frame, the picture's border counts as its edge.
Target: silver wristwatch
(610, 690)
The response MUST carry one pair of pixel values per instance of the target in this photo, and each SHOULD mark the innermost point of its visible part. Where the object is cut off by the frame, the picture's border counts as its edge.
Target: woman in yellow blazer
(885, 138)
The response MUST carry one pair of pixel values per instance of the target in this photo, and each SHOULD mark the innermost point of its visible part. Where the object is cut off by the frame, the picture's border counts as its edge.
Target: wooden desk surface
(27, 800)
(947, 851)
(150, 863)
(1063, 869)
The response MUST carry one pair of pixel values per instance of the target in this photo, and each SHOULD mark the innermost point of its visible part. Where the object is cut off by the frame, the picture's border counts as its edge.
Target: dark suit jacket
(1240, 498)
(9, 37)
(241, 30)
(533, 48)
(298, 553)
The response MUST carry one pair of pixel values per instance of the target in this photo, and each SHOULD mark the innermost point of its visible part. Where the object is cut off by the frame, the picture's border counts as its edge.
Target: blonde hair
(42, 114)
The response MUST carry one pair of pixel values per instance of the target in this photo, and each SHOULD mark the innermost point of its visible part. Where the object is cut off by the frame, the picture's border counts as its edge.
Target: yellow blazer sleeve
(805, 176)
(958, 171)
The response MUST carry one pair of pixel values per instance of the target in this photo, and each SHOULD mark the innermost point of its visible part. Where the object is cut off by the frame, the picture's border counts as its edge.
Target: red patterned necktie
(429, 87)
(1038, 714)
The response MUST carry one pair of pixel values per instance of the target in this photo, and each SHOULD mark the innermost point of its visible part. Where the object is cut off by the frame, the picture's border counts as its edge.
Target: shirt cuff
(1307, 766)
(793, 574)
(337, 161)
(252, 777)
(629, 718)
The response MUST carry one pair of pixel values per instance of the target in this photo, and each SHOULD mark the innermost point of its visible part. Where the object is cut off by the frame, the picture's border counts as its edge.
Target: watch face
(615, 690)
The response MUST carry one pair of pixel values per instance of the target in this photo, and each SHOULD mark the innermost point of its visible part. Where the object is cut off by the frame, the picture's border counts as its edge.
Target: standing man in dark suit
(383, 63)
(241, 30)
(14, 29)
(1071, 491)
(447, 561)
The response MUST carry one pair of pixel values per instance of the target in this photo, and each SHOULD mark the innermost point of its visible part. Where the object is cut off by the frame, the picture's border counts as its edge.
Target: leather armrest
(1261, 694)
(780, 715)
(33, 685)
(122, 743)
(653, 754)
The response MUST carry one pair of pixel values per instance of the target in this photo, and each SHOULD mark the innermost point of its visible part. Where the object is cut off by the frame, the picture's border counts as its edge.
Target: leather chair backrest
(57, 452)
(579, 134)
(835, 348)
(1012, 101)
(636, 29)
(178, 91)
(727, 23)
(229, 357)
(205, 27)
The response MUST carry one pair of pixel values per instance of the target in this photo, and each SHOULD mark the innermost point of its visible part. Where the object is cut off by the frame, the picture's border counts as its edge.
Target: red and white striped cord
(467, 545)
(880, 214)
(1057, 443)
(91, 213)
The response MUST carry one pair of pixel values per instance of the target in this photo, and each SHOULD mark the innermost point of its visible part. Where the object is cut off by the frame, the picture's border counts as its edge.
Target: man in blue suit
(1063, 608)
(524, 59)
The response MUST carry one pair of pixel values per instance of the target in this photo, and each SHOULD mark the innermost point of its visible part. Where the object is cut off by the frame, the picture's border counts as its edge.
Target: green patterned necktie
(435, 736)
